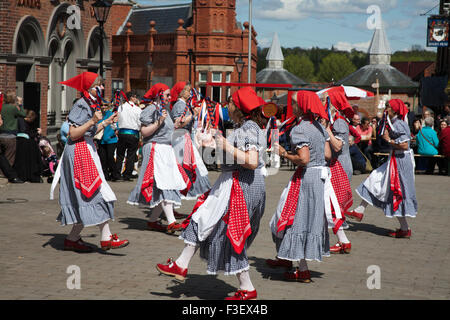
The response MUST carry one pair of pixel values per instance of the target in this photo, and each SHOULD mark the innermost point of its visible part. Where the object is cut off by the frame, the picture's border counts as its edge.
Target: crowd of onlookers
(430, 140)
(26, 155)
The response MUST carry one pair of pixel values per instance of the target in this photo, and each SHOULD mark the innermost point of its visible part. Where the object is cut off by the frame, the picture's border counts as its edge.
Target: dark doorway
(32, 99)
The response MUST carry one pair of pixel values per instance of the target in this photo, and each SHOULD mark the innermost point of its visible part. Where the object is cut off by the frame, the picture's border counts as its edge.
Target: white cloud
(347, 46)
(299, 9)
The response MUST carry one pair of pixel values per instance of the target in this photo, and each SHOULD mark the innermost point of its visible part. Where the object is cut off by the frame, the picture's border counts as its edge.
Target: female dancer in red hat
(161, 178)
(390, 187)
(183, 145)
(226, 220)
(299, 225)
(340, 164)
(85, 197)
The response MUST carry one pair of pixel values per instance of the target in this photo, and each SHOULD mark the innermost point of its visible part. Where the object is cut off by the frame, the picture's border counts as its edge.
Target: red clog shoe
(171, 269)
(156, 226)
(173, 227)
(114, 243)
(299, 276)
(354, 215)
(274, 263)
(341, 248)
(400, 234)
(77, 246)
(243, 295)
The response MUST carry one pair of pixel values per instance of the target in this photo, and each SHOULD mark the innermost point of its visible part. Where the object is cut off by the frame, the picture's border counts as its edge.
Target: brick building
(198, 41)
(43, 42)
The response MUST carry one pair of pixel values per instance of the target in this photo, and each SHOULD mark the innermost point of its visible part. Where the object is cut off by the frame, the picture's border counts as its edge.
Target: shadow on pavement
(141, 225)
(57, 242)
(204, 287)
(358, 226)
(275, 273)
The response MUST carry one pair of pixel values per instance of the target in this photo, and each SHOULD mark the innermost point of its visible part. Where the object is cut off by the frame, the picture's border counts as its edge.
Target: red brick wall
(118, 15)
(10, 15)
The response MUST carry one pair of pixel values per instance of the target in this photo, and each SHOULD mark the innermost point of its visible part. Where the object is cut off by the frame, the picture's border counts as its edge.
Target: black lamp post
(101, 11)
(149, 73)
(239, 66)
(274, 99)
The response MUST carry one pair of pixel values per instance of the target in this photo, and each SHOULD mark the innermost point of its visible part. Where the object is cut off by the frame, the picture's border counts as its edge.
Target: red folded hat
(155, 90)
(81, 82)
(176, 90)
(399, 107)
(310, 101)
(246, 100)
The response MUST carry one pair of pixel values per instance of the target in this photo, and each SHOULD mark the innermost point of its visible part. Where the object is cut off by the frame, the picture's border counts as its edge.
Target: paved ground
(34, 266)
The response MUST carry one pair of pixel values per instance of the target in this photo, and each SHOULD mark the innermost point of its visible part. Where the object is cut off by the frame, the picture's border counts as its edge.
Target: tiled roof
(412, 69)
(166, 18)
(279, 76)
(388, 77)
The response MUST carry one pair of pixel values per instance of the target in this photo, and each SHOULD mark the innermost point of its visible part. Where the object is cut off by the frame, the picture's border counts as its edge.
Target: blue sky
(326, 23)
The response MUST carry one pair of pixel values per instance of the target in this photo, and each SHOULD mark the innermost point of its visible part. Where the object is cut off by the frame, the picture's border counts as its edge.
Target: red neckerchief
(85, 173)
(149, 178)
(237, 218)
(343, 190)
(189, 157)
(395, 182)
(290, 206)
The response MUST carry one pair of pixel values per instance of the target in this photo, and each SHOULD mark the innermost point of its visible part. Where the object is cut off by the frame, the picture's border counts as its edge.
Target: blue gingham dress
(201, 184)
(408, 206)
(75, 207)
(341, 132)
(307, 238)
(163, 136)
(217, 249)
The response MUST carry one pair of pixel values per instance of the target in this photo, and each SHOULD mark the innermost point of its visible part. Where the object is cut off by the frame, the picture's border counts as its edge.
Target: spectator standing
(365, 131)
(410, 116)
(11, 111)
(107, 145)
(427, 143)
(28, 161)
(129, 126)
(444, 141)
(358, 160)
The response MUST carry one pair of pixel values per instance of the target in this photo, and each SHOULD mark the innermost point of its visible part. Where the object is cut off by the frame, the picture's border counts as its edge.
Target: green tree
(334, 67)
(300, 65)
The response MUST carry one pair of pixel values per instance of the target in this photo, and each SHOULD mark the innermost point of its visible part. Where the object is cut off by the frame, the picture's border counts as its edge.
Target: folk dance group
(226, 218)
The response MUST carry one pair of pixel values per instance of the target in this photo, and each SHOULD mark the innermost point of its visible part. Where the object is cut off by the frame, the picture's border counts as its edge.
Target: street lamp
(149, 72)
(239, 66)
(274, 99)
(101, 12)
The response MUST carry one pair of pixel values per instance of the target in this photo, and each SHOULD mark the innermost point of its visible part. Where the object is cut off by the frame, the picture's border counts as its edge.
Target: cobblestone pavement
(34, 266)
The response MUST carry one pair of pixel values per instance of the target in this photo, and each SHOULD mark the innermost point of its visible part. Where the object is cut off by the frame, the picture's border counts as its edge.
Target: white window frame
(220, 88)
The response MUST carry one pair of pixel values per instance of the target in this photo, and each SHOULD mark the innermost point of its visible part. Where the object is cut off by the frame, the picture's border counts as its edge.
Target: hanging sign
(437, 35)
